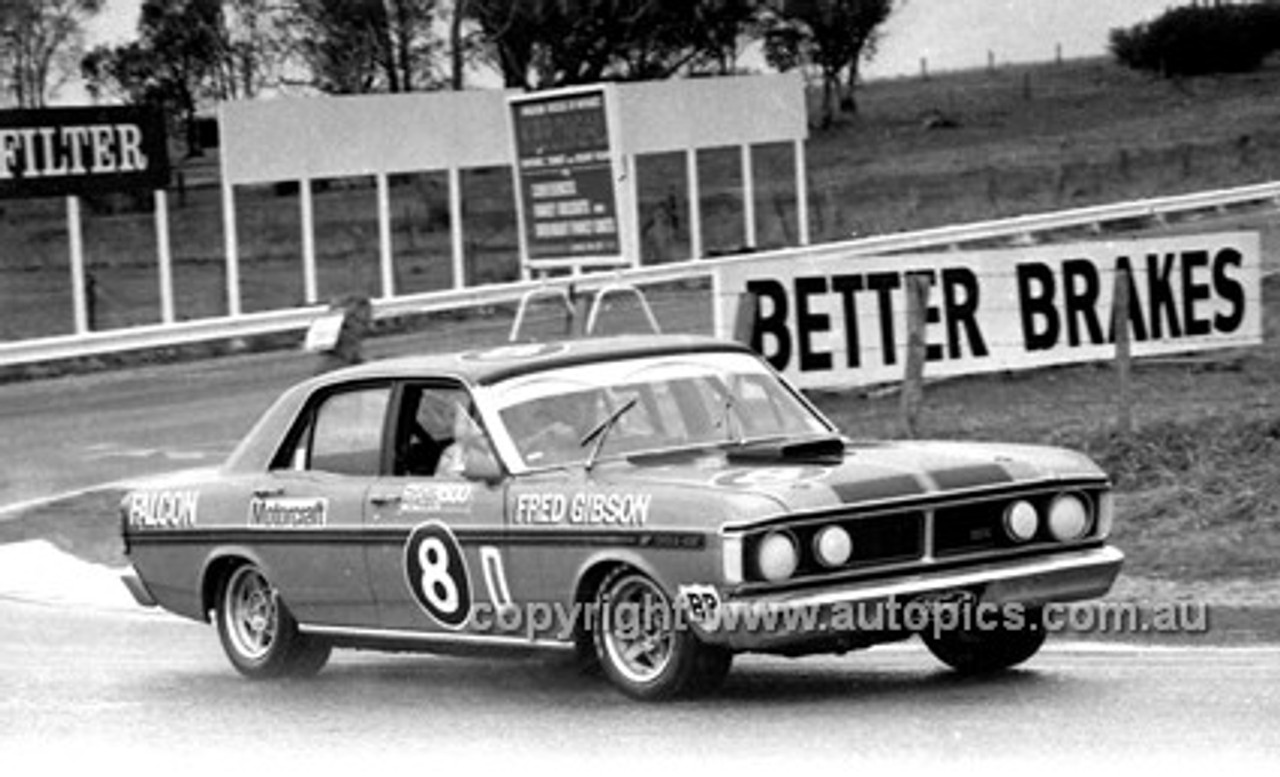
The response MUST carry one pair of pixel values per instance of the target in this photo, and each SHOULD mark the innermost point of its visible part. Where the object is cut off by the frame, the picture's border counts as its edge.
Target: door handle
(385, 500)
(263, 493)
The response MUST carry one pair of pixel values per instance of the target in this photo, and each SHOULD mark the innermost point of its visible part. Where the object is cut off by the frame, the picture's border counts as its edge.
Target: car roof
(491, 365)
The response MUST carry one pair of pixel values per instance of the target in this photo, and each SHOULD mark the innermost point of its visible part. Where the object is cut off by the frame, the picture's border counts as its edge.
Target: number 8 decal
(436, 572)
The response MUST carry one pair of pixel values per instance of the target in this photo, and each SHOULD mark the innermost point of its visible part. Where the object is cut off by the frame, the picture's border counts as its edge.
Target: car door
(306, 516)
(431, 529)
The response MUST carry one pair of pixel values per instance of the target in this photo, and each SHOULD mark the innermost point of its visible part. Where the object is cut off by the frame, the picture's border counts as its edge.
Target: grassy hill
(986, 144)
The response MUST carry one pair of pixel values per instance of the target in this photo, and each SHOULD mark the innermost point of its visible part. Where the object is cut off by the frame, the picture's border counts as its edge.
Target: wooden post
(1124, 351)
(912, 397)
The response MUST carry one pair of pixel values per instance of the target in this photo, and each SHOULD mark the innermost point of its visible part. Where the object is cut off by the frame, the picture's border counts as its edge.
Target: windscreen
(559, 416)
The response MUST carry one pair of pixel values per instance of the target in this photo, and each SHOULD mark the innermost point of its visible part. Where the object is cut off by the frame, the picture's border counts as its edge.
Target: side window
(430, 417)
(346, 433)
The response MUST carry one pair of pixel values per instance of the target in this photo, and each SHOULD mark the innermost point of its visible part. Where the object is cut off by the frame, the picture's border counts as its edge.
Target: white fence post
(231, 247)
(164, 256)
(309, 285)
(748, 199)
(695, 204)
(802, 194)
(79, 299)
(456, 240)
(386, 257)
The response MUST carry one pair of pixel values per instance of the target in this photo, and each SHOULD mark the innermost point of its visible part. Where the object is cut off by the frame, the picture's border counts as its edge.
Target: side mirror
(482, 465)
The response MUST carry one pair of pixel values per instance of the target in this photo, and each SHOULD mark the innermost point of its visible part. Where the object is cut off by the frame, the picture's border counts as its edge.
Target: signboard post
(570, 200)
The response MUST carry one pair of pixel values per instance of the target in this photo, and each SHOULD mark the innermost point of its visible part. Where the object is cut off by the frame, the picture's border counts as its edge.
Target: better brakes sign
(566, 177)
(833, 322)
(59, 151)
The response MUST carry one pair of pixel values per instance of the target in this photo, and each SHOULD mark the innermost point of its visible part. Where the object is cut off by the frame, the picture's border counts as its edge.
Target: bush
(1200, 40)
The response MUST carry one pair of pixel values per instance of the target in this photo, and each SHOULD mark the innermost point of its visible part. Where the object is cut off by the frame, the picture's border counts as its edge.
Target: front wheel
(640, 647)
(977, 651)
(258, 634)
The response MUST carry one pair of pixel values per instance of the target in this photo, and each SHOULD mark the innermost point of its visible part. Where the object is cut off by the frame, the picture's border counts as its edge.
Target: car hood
(856, 472)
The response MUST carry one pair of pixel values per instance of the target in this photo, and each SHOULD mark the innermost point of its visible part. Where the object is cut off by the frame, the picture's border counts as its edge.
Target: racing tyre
(973, 651)
(258, 633)
(640, 648)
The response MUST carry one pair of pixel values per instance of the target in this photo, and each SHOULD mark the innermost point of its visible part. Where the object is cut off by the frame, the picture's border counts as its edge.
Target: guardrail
(296, 319)
(1093, 216)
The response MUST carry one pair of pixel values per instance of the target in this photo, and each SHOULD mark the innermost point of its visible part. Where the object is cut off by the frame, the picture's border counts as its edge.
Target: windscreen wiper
(601, 430)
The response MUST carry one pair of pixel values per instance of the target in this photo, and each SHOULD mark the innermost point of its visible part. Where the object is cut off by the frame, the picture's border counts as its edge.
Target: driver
(468, 444)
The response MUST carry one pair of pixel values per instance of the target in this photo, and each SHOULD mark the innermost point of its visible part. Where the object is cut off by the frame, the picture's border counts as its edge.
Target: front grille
(959, 530)
(877, 540)
(970, 528)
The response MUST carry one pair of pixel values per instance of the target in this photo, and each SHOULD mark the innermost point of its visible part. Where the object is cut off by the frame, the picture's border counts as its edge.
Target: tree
(248, 40)
(722, 28)
(546, 43)
(174, 63)
(358, 46)
(1199, 40)
(833, 35)
(40, 41)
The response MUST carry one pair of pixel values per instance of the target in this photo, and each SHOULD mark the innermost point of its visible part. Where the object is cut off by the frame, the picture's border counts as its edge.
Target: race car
(652, 505)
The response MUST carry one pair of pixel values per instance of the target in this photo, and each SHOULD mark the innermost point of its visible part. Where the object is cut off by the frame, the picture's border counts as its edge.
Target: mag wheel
(975, 651)
(642, 650)
(258, 634)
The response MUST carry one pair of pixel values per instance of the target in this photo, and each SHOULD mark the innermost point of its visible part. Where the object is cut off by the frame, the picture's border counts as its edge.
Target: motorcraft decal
(289, 512)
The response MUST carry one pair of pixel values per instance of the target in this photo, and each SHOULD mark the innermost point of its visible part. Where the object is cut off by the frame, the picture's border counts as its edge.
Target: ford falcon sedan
(651, 504)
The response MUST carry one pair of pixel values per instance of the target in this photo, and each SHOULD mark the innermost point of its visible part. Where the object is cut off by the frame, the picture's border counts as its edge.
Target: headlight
(1106, 514)
(1021, 521)
(1068, 518)
(777, 557)
(833, 546)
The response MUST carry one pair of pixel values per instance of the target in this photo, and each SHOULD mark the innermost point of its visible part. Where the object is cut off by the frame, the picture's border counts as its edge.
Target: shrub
(1200, 40)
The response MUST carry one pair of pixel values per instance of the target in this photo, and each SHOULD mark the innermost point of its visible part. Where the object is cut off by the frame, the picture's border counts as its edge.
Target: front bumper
(141, 594)
(826, 614)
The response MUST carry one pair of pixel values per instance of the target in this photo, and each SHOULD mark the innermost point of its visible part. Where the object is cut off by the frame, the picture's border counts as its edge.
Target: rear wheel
(258, 634)
(976, 651)
(640, 648)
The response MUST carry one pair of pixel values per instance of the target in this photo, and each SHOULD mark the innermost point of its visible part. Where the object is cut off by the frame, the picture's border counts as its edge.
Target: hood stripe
(892, 487)
(970, 476)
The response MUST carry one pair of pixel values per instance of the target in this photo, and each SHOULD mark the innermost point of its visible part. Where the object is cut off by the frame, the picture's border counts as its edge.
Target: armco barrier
(182, 333)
